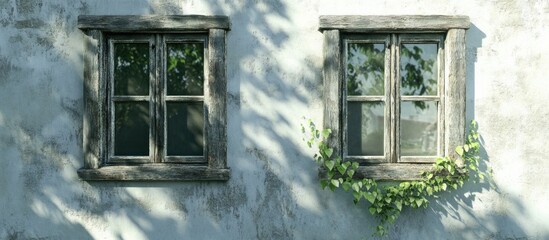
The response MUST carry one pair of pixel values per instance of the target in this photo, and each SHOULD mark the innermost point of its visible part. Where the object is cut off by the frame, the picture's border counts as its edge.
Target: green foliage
(387, 201)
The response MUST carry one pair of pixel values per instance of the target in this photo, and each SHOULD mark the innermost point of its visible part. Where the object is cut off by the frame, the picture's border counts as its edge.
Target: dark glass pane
(418, 128)
(185, 68)
(185, 131)
(365, 69)
(365, 128)
(131, 69)
(131, 129)
(418, 69)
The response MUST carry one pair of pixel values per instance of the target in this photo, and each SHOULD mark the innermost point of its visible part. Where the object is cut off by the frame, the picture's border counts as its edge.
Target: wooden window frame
(451, 94)
(98, 159)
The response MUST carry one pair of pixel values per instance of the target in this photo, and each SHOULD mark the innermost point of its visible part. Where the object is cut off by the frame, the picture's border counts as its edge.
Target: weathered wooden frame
(95, 121)
(452, 97)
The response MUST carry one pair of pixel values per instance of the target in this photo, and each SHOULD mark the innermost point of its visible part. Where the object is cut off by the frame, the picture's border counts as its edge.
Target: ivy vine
(387, 200)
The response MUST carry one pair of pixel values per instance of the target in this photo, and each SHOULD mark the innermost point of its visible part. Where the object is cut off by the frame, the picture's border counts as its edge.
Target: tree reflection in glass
(365, 69)
(131, 68)
(418, 69)
(185, 68)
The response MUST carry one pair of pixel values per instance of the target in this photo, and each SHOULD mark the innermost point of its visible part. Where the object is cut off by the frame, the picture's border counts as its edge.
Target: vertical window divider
(110, 101)
(158, 98)
(387, 145)
(395, 97)
(441, 96)
(344, 102)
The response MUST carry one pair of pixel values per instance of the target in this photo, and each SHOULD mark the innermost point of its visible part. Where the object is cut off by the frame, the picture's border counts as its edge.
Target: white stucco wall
(273, 66)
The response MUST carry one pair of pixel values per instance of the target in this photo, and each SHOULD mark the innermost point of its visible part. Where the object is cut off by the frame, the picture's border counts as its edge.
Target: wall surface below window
(274, 65)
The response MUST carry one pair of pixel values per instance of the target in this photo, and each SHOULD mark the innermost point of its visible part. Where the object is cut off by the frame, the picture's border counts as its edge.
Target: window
(155, 98)
(394, 90)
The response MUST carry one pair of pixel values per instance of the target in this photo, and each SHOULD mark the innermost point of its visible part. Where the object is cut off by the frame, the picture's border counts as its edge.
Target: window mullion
(395, 100)
(388, 102)
(110, 94)
(158, 99)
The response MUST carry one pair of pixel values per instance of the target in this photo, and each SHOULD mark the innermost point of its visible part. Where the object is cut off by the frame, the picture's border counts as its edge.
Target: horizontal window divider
(184, 98)
(372, 38)
(364, 157)
(155, 172)
(418, 159)
(419, 98)
(365, 98)
(420, 38)
(131, 38)
(184, 159)
(129, 159)
(199, 37)
(130, 98)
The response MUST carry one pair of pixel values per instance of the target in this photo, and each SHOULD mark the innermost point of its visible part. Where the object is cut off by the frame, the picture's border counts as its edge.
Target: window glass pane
(185, 130)
(418, 128)
(365, 68)
(365, 128)
(185, 68)
(418, 69)
(131, 128)
(131, 69)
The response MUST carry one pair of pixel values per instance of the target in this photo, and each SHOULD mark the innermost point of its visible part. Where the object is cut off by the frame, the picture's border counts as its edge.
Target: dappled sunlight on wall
(274, 65)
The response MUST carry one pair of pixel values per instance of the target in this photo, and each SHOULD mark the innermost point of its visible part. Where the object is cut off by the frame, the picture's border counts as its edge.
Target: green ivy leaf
(419, 201)
(398, 205)
(355, 187)
(350, 173)
(326, 133)
(372, 210)
(346, 186)
(328, 152)
(370, 197)
(459, 150)
(335, 183)
(341, 169)
(329, 164)
(357, 196)
(429, 191)
(324, 183)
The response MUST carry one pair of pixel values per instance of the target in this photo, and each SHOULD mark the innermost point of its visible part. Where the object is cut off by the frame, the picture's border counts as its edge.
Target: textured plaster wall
(274, 65)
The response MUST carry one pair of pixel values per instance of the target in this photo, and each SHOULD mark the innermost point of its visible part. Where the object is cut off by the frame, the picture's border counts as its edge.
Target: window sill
(154, 172)
(389, 172)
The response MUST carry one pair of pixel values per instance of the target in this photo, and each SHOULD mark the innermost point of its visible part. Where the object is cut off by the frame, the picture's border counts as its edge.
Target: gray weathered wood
(332, 74)
(420, 38)
(98, 97)
(154, 172)
(215, 94)
(389, 171)
(455, 91)
(451, 95)
(157, 90)
(111, 40)
(93, 124)
(364, 24)
(394, 100)
(140, 23)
